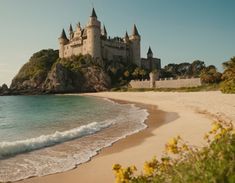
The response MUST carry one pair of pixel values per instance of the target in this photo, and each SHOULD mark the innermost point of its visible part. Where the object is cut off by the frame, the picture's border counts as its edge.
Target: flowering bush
(213, 163)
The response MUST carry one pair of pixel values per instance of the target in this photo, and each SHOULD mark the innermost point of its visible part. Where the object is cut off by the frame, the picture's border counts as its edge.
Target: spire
(126, 36)
(79, 25)
(93, 14)
(150, 53)
(135, 31)
(70, 28)
(104, 31)
(63, 35)
(71, 33)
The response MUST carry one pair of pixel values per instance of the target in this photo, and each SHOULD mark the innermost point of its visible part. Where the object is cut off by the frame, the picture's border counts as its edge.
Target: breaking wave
(21, 146)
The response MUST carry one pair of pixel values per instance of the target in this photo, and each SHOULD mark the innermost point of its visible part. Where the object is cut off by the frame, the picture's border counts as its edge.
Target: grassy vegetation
(38, 66)
(214, 163)
(204, 87)
(228, 84)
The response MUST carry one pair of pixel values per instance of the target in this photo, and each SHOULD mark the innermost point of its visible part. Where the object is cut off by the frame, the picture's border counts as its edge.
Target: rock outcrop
(46, 73)
(90, 79)
(4, 89)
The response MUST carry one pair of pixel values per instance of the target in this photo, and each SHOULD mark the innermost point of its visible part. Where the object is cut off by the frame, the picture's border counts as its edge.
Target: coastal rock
(47, 73)
(4, 89)
(32, 75)
(59, 80)
(95, 79)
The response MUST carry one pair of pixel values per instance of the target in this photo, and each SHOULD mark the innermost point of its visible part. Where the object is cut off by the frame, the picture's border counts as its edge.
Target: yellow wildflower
(133, 168)
(172, 141)
(215, 127)
(116, 167)
(148, 169)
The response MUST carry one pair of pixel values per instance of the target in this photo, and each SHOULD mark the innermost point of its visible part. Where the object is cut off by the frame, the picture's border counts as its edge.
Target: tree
(197, 66)
(210, 75)
(228, 85)
(184, 69)
(171, 69)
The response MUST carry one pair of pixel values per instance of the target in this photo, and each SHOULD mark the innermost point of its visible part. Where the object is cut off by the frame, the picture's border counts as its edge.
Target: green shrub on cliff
(38, 66)
(228, 85)
(77, 63)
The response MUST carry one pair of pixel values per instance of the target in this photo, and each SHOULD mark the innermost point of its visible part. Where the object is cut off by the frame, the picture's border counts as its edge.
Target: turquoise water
(41, 135)
(23, 117)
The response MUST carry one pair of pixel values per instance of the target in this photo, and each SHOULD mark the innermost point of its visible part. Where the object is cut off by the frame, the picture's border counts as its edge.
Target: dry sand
(186, 114)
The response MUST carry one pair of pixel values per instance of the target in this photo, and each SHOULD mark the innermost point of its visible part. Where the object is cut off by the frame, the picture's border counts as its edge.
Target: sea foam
(16, 147)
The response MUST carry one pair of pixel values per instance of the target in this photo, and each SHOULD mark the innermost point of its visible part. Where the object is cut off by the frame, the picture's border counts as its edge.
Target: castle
(95, 41)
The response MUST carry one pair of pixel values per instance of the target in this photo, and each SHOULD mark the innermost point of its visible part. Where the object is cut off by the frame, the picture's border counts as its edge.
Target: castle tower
(104, 32)
(126, 38)
(71, 33)
(63, 40)
(135, 46)
(93, 36)
(150, 53)
(78, 31)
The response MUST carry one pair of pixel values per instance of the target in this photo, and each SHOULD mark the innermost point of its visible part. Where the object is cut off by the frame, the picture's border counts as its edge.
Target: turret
(71, 33)
(93, 14)
(79, 27)
(63, 40)
(93, 36)
(126, 38)
(150, 53)
(135, 46)
(135, 31)
(104, 32)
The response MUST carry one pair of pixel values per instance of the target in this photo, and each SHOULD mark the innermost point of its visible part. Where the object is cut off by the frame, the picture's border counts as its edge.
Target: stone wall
(140, 84)
(176, 83)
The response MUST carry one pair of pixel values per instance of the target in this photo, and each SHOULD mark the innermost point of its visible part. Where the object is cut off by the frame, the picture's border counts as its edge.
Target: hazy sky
(177, 30)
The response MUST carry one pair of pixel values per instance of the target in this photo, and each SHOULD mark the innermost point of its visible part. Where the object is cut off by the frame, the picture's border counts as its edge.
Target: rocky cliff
(47, 73)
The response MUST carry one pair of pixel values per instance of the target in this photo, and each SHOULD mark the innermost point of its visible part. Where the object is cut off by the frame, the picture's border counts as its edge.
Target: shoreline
(185, 114)
(124, 143)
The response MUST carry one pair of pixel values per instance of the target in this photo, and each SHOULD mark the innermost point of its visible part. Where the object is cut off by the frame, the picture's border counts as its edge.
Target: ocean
(41, 135)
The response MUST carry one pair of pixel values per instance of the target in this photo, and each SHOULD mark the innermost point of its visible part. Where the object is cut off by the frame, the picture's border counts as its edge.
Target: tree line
(208, 74)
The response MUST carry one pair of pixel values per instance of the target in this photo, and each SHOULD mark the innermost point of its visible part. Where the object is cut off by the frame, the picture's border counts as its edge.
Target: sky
(177, 30)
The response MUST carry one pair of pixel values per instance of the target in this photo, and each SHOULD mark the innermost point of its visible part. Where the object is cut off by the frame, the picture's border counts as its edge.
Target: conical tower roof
(63, 35)
(150, 51)
(135, 31)
(93, 14)
(126, 38)
(70, 28)
(126, 35)
(79, 24)
(105, 31)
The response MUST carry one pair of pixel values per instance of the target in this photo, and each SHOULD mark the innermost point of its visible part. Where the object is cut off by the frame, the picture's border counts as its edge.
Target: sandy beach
(171, 113)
